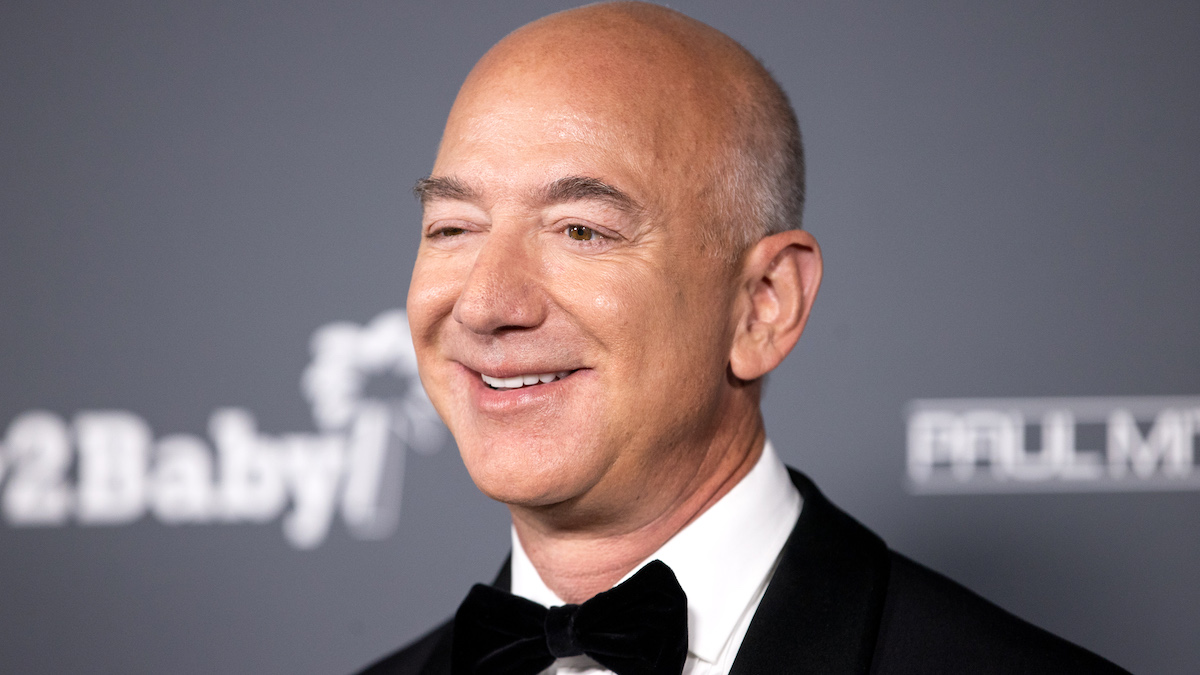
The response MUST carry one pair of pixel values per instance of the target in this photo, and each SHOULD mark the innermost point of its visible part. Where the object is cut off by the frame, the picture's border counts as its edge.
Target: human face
(562, 237)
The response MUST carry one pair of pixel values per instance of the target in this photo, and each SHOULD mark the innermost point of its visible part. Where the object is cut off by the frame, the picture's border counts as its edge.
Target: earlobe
(780, 278)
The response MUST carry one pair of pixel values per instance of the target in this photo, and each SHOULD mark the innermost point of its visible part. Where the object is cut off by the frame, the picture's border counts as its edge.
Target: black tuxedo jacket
(841, 602)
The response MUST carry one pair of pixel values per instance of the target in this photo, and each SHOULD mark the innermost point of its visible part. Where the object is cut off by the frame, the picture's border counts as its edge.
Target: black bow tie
(637, 628)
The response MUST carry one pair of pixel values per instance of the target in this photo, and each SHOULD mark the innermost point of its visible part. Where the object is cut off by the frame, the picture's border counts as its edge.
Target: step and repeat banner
(216, 455)
(105, 467)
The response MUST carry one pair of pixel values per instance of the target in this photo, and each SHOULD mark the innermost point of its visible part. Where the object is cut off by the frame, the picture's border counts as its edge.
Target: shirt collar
(722, 559)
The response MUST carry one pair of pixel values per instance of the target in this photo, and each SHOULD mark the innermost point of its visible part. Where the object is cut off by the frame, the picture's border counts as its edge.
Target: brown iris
(580, 232)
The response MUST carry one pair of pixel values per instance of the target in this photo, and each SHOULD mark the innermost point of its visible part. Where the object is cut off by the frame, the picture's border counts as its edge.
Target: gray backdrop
(1006, 196)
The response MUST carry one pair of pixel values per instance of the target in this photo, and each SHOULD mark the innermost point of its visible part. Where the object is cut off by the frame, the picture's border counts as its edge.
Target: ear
(779, 282)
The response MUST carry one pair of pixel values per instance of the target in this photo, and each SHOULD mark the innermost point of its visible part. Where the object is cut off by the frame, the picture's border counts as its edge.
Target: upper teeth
(522, 380)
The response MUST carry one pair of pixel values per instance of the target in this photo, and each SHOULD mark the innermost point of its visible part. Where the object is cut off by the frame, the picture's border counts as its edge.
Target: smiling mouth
(518, 381)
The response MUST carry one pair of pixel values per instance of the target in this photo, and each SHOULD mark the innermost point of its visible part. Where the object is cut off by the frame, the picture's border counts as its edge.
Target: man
(611, 264)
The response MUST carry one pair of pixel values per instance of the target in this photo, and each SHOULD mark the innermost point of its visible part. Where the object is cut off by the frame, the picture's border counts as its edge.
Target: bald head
(690, 105)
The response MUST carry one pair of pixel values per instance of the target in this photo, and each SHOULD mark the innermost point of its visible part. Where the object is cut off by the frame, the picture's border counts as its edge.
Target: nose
(502, 291)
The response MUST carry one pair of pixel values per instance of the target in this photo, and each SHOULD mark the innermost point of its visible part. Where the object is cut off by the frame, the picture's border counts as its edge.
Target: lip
(506, 401)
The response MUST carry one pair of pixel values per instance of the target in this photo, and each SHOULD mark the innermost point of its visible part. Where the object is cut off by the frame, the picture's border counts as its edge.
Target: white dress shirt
(723, 560)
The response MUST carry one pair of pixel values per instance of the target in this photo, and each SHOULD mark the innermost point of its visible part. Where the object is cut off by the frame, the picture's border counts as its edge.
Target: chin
(531, 474)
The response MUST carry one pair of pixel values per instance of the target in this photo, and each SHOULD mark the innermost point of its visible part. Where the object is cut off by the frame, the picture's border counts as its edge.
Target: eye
(445, 231)
(580, 232)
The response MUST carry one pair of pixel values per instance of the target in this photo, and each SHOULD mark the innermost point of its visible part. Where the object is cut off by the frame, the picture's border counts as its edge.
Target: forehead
(522, 153)
(542, 130)
(532, 124)
(571, 115)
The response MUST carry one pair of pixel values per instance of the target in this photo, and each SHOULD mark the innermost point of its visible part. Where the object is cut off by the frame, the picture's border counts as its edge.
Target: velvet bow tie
(637, 628)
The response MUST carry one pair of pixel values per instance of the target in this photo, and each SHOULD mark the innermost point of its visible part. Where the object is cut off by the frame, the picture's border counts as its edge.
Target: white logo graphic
(106, 467)
(1053, 444)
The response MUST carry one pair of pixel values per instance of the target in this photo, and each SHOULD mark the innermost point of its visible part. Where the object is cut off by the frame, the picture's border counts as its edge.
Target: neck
(579, 562)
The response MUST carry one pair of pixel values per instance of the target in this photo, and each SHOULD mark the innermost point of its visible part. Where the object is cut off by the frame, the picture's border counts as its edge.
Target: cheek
(655, 323)
(621, 307)
(434, 288)
(605, 303)
(633, 312)
(687, 336)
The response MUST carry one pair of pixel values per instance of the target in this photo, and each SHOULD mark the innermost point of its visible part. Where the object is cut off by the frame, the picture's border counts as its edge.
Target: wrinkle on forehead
(566, 125)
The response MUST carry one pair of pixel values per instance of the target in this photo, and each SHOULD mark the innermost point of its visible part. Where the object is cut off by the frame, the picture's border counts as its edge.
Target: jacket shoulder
(427, 655)
(932, 624)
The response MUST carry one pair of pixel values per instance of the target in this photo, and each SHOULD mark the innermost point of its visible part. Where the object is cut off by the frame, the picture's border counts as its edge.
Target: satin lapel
(821, 611)
(439, 659)
(503, 580)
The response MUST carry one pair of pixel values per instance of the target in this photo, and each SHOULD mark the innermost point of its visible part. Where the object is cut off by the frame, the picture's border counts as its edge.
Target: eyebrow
(430, 188)
(576, 188)
(567, 189)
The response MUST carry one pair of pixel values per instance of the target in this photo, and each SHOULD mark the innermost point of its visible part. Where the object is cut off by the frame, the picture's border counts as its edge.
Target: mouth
(522, 381)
